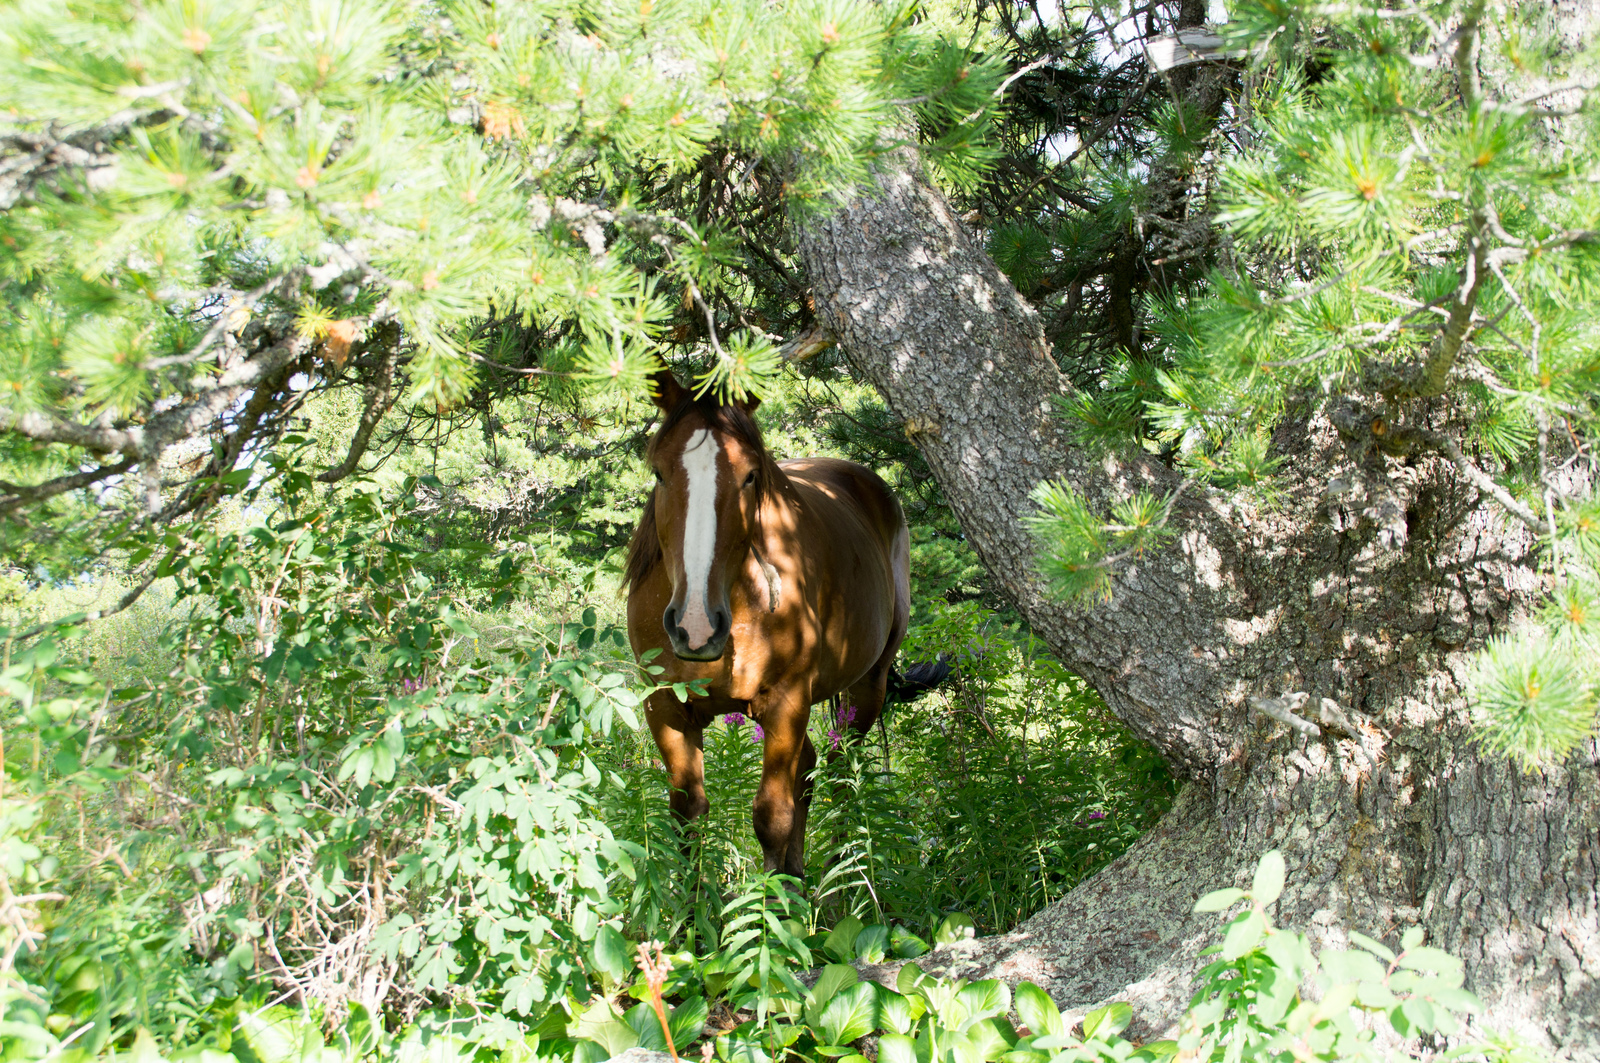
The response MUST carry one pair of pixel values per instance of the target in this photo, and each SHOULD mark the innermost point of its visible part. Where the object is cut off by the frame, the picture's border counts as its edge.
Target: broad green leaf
(584, 921)
(834, 977)
(1244, 934)
(1349, 965)
(275, 1034)
(840, 942)
(1276, 991)
(687, 1021)
(991, 1037)
(1105, 1023)
(1426, 958)
(849, 1014)
(898, 1013)
(602, 1025)
(871, 942)
(1217, 900)
(742, 1045)
(361, 1035)
(1290, 952)
(962, 1048)
(1022, 1054)
(1037, 1011)
(394, 738)
(1421, 1014)
(589, 1052)
(896, 1048)
(905, 944)
(144, 1048)
(1268, 884)
(1377, 948)
(644, 1021)
(957, 926)
(988, 997)
(611, 955)
(382, 763)
(909, 978)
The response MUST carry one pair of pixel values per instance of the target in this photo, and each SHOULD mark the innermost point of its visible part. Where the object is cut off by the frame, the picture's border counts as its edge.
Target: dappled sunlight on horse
(780, 584)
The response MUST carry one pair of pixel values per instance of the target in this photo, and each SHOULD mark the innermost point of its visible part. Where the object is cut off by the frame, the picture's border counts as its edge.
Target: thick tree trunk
(1400, 823)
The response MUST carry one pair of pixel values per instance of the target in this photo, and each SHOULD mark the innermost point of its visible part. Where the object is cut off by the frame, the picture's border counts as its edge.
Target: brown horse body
(779, 584)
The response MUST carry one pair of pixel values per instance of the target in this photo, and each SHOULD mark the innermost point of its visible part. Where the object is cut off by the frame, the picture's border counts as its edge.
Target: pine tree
(214, 211)
(1414, 255)
(1288, 385)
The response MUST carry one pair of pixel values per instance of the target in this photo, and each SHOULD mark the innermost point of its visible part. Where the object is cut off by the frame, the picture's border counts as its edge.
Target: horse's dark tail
(919, 678)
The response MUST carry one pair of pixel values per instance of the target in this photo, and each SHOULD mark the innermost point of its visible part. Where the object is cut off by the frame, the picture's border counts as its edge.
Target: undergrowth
(345, 810)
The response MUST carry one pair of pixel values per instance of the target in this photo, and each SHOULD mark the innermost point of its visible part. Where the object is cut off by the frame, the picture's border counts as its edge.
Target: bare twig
(379, 398)
(1283, 710)
(99, 614)
(19, 494)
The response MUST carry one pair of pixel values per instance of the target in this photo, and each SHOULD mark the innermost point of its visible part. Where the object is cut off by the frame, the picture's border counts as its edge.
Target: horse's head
(711, 471)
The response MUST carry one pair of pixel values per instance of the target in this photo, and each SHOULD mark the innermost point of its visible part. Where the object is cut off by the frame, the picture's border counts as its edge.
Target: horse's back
(838, 485)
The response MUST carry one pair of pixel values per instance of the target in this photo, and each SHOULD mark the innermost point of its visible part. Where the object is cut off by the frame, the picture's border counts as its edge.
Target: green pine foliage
(1404, 225)
(437, 205)
(333, 133)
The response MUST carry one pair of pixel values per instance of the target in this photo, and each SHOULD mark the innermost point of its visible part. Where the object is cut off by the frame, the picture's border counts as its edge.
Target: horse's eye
(748, 480)
(657, 474)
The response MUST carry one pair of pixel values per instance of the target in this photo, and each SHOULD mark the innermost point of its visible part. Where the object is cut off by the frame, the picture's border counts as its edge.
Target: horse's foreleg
(682, 751)
(780, 815)
(795, 857)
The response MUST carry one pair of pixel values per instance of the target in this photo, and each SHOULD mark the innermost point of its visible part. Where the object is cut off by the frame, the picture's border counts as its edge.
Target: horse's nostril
(723, 622)
(669, 620)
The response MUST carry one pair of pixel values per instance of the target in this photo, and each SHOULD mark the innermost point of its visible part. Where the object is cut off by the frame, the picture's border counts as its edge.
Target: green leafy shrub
(376, 802)
(1249, 1005)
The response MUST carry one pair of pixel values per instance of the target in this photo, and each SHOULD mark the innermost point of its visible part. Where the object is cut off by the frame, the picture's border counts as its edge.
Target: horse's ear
(749, 403)
(669, 394)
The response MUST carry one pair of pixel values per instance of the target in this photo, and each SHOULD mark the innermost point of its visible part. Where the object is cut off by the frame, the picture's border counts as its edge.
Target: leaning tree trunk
(1400, 823)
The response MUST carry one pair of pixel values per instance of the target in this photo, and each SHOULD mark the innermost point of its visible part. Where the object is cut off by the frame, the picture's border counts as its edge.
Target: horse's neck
(780, 512)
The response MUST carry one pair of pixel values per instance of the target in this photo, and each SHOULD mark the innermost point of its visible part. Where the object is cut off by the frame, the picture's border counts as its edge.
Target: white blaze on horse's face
(699, 535)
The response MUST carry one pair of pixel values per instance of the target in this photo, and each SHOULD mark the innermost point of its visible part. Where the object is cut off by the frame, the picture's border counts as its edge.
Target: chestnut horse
(781, 584)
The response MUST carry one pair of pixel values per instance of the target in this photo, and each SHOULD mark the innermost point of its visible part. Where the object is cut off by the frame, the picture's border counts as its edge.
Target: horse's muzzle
(713, 648)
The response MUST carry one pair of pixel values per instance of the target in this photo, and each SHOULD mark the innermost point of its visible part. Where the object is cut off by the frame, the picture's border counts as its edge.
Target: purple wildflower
(1097, 815)
(733, 719)
(833, 738)
(758, 735)
(847, 716)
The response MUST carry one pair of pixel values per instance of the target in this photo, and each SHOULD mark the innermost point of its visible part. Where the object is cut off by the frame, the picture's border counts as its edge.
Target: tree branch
(1442, 353)
(98, 614)
(28, 158)
(18, 494)
(379, 400)
(1480, 479)
(96, 439)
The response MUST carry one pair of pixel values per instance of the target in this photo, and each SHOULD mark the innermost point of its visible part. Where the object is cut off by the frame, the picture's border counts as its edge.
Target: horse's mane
(644, 551)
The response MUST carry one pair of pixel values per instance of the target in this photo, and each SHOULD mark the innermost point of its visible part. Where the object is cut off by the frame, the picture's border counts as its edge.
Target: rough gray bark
(1248, 600)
